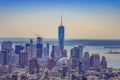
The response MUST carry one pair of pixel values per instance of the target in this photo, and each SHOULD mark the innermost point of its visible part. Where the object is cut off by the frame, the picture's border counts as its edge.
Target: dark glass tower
(39, 50)
(53, 52)
(47, 48)
(61, 36)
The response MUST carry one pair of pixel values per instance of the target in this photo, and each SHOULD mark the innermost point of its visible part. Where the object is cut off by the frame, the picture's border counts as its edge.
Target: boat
(112, 47)
(111, 52)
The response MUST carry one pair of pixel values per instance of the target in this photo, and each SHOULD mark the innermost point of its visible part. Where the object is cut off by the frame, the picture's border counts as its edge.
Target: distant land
(69, 42)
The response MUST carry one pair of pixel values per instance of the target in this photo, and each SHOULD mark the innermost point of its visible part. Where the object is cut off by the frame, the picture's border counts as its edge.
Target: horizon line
(57, 38)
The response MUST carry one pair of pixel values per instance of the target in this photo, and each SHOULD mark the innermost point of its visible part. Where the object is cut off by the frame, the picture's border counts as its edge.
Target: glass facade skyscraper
(39, 50)
(61, 36)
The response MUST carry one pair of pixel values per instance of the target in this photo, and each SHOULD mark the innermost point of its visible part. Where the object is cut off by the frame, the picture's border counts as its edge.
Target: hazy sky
(86, 19)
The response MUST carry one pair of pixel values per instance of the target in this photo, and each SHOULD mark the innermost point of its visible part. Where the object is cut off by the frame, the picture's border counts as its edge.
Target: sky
(82, 19)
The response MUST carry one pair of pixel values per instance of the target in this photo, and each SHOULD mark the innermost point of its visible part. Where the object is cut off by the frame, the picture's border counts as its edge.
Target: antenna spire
(61, 19)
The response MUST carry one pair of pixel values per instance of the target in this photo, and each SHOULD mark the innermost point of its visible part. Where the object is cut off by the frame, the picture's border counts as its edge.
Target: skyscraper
(27, 45)
(39, 39)
(55, 52)
(47, 49)
(4, 57)
(39, 50)
(95, 60)
(80, 66)
(61, 36)
(23, 59)
(18, 48)
(73, 58)
(31, 47)
(39, 47)
(80, 52)
(77, 52)
(104, 62)
(86, 60)
(86, 56)
(7, 45)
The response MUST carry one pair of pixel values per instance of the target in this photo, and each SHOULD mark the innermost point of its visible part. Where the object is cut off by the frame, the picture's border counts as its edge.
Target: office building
(47, 49)
(80, 66)
(27, 45)
(76, 55)
(39, 50)
(73, 59)
(31, 47)
(53, 52)
(64, 53)
(56, 53)
(86, 61)
(104, 62)
(80, 52)
(33, 66)
(86, 64)
(86, 56)
(23, 59)
(18, 49)
(45, 52)
(4, 57)
(7, 45)
(61, 36)
(95, 60)
(51, 64)
(39, 39)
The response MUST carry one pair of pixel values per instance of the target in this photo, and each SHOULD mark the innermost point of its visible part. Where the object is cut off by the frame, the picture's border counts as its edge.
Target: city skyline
(54, 43)
(82, 19)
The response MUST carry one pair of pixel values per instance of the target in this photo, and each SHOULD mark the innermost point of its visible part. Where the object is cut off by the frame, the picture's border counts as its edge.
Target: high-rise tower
(39, 47)
(23, 59)
(61, 36)
(31, 47)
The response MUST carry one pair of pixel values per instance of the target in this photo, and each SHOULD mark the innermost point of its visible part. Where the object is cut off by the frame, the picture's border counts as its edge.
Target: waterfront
(112, 59)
